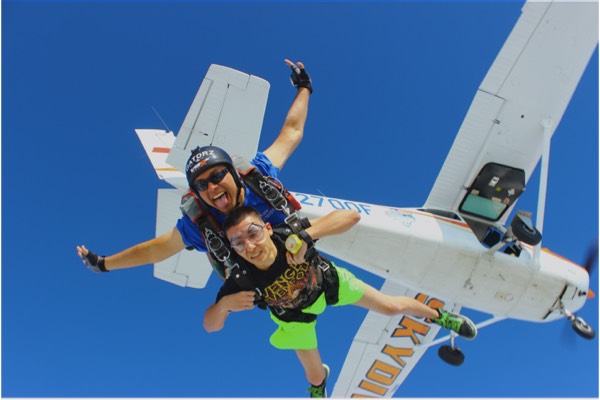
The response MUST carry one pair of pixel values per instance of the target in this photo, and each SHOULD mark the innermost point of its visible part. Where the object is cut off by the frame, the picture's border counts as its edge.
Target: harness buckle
(216, 245)
(231, 267)
(278, 310)
(274, 196)
(324, 265)
(294, 223)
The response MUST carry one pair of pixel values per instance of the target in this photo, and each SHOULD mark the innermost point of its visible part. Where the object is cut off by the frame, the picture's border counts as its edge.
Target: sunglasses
(202, 184)
(255, 234)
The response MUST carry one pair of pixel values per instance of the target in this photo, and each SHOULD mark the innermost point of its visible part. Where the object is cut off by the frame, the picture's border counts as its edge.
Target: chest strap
(266, 187)
(243, 278)
(217, 244)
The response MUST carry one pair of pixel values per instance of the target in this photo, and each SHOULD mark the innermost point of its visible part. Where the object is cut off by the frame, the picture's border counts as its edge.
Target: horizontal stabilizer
(227, 112)
(186, 268)
(157, 144)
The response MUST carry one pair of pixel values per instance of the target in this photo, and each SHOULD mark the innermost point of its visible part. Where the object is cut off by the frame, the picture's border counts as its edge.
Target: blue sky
(393, 82)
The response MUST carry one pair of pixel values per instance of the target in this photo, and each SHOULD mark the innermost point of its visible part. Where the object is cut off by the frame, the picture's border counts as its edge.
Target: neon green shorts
(302, 335)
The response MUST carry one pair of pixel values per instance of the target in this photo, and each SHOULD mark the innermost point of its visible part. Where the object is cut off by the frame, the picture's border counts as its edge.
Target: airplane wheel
(582, 328)
(452, 356)
(525, 234)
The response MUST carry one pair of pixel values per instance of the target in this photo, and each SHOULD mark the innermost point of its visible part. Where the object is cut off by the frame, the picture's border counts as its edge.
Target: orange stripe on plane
(161, 150)
(590, 293)
(451, 221)
(547, 250)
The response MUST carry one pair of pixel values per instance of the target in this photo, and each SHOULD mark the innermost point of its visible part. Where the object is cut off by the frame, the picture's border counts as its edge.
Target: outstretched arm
(293, 127)
(149, 252)
(335, 222)
(216, 315)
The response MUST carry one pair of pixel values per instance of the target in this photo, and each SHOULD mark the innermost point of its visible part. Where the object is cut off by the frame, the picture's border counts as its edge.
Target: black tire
(582, 328)
(525, 234)
(452, 356)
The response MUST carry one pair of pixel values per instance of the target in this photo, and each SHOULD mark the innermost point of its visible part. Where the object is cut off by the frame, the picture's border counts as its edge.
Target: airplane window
(493, 191)
(483, 207)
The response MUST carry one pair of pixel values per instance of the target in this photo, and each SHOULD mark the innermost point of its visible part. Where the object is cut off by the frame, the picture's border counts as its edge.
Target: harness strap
(298, 226)
(210, 230)
(267, 187)
(219, 253)
(292, 315)
(245, 280)
(331, 281)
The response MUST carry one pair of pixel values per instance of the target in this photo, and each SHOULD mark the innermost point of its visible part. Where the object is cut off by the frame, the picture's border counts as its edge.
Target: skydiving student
(297, 283)
(214, 180)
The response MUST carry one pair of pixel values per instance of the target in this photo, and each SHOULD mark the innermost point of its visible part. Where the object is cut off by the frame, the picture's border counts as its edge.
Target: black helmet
(206, 157)
(203, 158)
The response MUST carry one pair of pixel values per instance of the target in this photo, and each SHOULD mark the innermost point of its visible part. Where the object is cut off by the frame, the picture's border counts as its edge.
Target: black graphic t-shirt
(283, 285)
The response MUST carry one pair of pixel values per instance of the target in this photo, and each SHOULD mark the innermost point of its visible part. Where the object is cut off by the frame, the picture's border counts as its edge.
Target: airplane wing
(386, 349)
(228, 112)
(530, 83)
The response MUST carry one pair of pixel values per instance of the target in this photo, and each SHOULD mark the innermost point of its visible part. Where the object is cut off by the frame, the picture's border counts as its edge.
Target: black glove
(94, 262)
(300, 78)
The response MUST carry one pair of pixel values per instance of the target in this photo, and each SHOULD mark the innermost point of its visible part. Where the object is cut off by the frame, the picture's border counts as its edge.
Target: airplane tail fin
(227, 112)
(157, 144)
(186, 268)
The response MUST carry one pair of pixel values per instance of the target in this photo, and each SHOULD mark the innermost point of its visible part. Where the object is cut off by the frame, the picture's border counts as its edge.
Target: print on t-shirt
(292, 287)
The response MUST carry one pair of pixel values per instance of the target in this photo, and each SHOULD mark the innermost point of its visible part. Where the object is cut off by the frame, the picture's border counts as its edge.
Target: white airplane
(458, 249)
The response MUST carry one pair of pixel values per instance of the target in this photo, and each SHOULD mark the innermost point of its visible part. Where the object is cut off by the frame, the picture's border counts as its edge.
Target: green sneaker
(320, 391)
(458, 323)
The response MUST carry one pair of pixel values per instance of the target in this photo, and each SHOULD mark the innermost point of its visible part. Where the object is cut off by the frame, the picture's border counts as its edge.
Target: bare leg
(313, 366)
(374, 300)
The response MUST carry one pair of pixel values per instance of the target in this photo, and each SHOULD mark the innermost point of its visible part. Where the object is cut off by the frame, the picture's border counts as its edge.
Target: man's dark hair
(238, 214)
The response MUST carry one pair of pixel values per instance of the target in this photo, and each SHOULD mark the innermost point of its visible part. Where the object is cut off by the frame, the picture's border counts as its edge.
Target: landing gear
(520, 229)
(523, 229)
(451, 355)
(582, 328)
(579, 325)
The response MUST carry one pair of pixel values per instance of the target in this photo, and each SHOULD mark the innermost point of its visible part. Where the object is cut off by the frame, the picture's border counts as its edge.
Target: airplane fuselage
(441, 256)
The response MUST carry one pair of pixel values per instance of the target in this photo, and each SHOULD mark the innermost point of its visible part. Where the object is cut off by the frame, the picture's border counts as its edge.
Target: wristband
(306, 238)
(95, 262)
(300, 78)
(101, 264)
